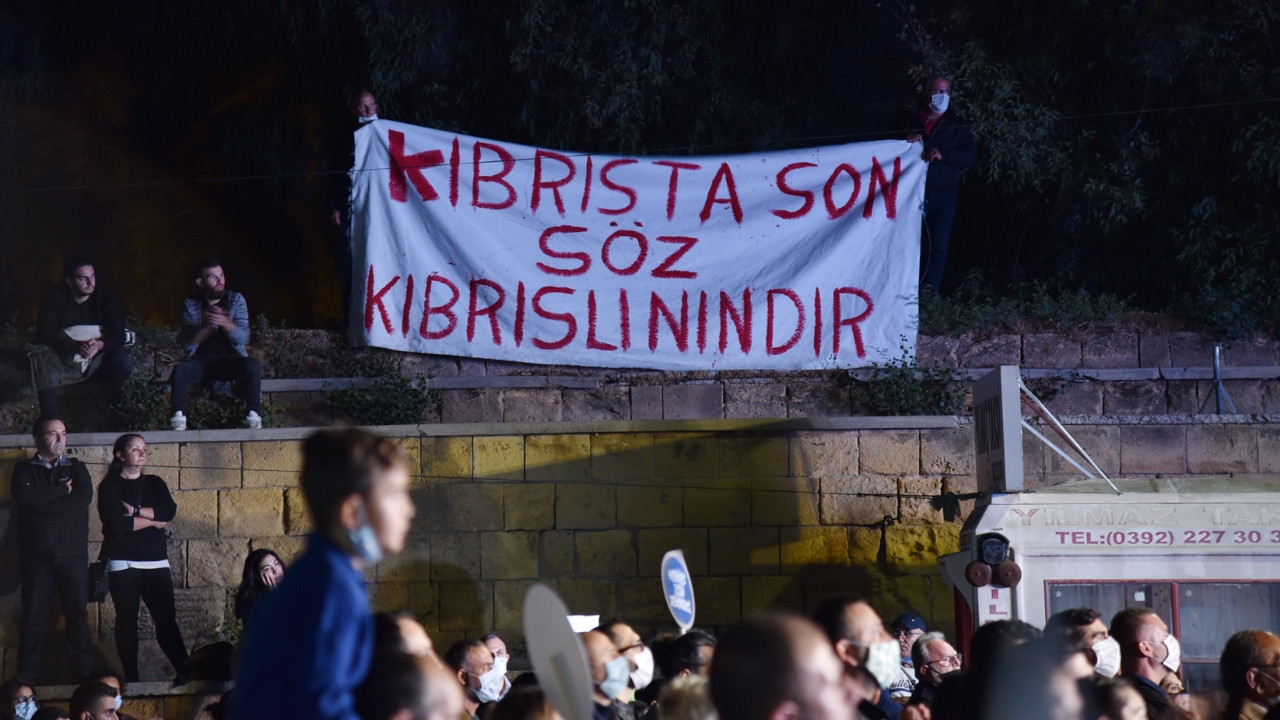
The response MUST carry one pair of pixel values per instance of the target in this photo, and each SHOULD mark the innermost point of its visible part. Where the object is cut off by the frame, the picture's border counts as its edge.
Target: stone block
(1134, 397)
(914, 505)
(1102, 442)
(813, 546)
(250, 513)
(744, 551)
(590, 597)
(197, 514)
(1189, 349)
(824, 454)
(508, 603)
(755, 400)
(769, 593)
(455, 556)
(555, 550)
(557, 457)
(719, 600)
(991, 352)
(162, 458)
(272, 464)
(1033, 452)
(684, 456)
(915, 549)
(1255, 352)
(1182, 397)
(595, 404)
(499, 457)
(947, 452)
(656, 543)
(1111, 350)
(1246, 396)
(1269, 450)
(1222, 449)
(424, 603)
(215, 563)
(646, 402)
(476, 506)
(530, 506)
(937, 351)
(411, 564)
(824, 398)
(1077, 398)
(532, 405)
(864, 547)
(508, 555)
(466, 606)
(388, 597)
(287, 547)
(605, 554)
(715, 507)
(784, 507)
(859, 501)
(1153, 350)
(1050, 350)
(640, 602)
(433, 509)
(622, 457)
(471, 406)
(446, 458)
(585, 506)
(896, 594)
(753, 456)
(692, 402)
(209, 465)
(647, 506)
(297, 519)
(889, 452)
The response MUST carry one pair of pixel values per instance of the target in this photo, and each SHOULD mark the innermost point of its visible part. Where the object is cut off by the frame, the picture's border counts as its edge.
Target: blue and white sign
(677, 588)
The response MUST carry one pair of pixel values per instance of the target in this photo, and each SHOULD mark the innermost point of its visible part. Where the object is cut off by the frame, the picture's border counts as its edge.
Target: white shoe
(178, 422)
(253, 421)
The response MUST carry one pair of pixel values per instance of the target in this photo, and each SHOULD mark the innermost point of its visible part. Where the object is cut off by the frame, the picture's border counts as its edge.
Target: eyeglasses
(950, 660)
(23, 700)
(905, 633)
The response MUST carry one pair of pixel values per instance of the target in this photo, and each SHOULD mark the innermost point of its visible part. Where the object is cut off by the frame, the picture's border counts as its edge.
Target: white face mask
(643, 674)
(25, 710)
(883, 661)
(939, 102)
(1108, 652)
(369, 119)
(1173, 660)
(491, 684)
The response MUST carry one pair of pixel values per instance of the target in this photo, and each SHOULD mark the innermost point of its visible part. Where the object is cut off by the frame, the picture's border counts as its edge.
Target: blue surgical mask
(939, 102)
(25, 710)
(364, 541)
(616, 674)
(119, 700)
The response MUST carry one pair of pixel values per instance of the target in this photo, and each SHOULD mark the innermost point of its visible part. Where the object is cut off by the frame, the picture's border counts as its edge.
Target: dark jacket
(59, 310)
(52, 523)
(120, 540)
(953, 137)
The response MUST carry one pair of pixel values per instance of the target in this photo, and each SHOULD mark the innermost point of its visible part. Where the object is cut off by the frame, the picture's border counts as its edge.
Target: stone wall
(769, 513)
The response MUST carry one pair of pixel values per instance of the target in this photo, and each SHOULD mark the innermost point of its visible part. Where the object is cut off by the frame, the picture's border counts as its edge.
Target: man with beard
(215, 330)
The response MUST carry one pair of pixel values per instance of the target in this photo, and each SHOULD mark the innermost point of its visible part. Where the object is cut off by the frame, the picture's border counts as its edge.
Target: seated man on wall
(79, 332)
(215, 330)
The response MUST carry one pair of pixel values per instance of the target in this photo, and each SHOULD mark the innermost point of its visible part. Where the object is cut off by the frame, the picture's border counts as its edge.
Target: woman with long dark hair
(263, 571)
(135, 507)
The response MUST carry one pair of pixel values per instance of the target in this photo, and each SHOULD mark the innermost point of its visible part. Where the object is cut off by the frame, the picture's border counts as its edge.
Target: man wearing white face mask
(948, 147)
(1082, 627)
(472, 664)
(610, 673)
(1148, 652)
(639, 657)
(501, 658)
(858, 637)
(1250, 669)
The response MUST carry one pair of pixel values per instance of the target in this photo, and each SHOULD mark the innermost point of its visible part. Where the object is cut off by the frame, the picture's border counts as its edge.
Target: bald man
(1250, 669)
(610, 672)
(1148, 652)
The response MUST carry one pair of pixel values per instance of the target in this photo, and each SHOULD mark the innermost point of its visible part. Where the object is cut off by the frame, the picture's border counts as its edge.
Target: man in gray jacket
(215, 330)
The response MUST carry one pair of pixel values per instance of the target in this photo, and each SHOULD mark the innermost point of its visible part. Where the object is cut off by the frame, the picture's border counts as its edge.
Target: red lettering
(411, 166)
(674, 182)
(634, 267)
(508, 164)
(586, 187)
(490, 310)
(408, 304)
(519, 330)
(372, 299)
(455, 162)
(741, 321)
(624, 311)
(607, 182)
(817, 322)
(446, 309)
(592, 343)
(664, 268)
(786, 188)
(725, 175)
(890, 189)
(553, 185)
(800, 321)
(583, 259)
(834, 212)
(837, 323)
(567, 318)
(702, 322)
(679, 330)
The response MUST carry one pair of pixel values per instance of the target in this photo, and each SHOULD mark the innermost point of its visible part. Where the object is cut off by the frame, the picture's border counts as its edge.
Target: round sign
(677, 588)
(558, 656)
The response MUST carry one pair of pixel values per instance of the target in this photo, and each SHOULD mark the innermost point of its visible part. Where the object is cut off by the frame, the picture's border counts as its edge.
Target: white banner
(794, 260)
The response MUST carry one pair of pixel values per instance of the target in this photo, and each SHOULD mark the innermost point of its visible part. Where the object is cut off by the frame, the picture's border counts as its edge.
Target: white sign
(557, 653)
(800, 259)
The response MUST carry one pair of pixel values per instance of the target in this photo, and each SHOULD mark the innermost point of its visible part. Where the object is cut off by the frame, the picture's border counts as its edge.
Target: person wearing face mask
(473, 666)
(310, 642)
(947, 145)
(1148, 652)
(501, 658)
(858, 637)
(1083, 628)
(934, 659)
(641, 663)
(22, 697)
(113, 681)
(610, 675)
(1250, 671)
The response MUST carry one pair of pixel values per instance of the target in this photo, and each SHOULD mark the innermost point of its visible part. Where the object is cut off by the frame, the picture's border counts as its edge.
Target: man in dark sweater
(53, 493)
(79, 332)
